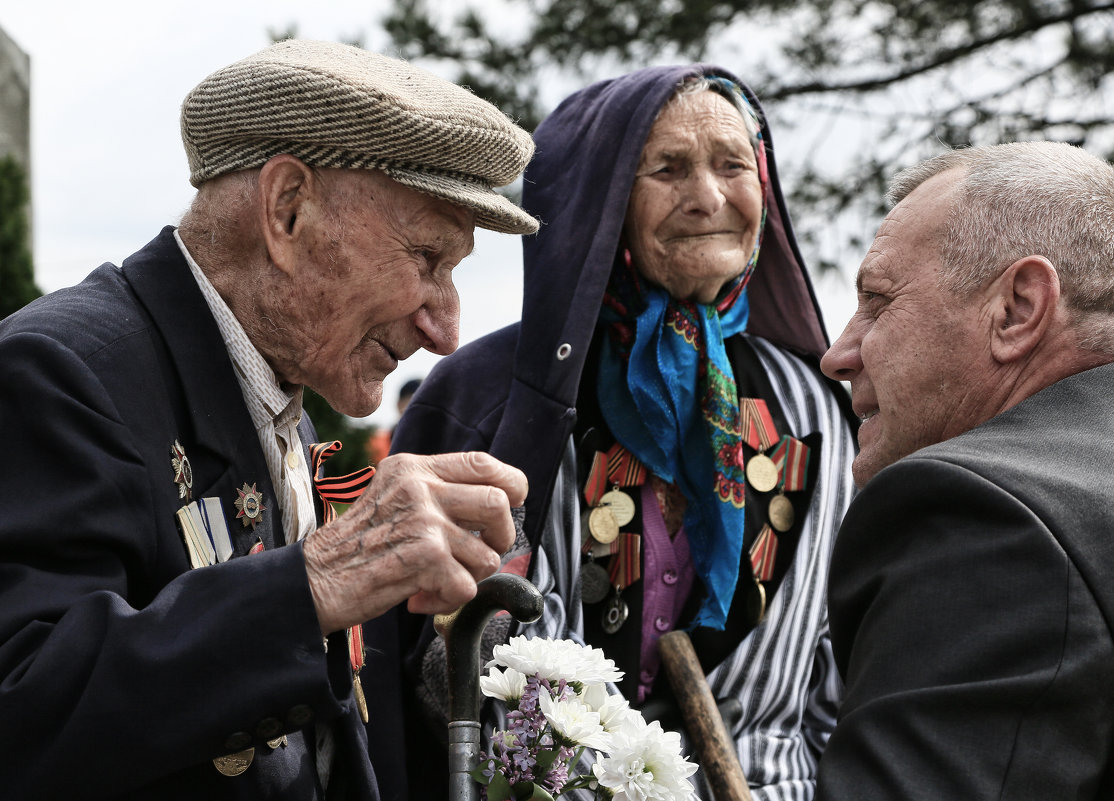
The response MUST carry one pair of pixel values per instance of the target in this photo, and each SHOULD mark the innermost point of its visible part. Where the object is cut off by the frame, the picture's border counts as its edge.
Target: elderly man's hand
(413, 535)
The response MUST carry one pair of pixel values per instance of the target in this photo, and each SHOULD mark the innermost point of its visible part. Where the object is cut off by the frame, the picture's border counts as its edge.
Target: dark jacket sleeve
(976, 661)
(120, 668)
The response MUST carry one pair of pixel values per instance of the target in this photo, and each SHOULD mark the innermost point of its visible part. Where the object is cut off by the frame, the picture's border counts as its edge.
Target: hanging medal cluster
(609, 510)
(779, 464)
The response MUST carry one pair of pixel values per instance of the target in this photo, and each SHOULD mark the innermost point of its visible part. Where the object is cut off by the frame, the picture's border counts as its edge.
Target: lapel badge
(250, 505)
(183, 473)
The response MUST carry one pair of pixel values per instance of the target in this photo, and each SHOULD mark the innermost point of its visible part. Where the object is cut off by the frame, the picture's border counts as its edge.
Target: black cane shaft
(713, 744)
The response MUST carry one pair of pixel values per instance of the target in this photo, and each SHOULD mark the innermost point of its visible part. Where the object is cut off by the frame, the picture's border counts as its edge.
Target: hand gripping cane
(462, 649)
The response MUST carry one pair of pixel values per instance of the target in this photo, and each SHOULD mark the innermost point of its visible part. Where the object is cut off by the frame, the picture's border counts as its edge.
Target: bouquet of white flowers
(558, 707)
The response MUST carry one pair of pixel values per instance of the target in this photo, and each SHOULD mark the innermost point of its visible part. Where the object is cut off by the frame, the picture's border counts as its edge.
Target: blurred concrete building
(15, 102)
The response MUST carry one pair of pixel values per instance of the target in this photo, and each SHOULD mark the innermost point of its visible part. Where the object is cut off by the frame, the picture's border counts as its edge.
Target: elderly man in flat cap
(180, 608)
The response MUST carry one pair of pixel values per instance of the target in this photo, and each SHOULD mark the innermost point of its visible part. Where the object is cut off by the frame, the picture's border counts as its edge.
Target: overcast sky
(108, 169)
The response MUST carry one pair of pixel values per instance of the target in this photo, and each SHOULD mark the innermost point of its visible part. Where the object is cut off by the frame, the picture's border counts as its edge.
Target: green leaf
(528, 791)
(545, 759)
(479, 775)
(499, 789)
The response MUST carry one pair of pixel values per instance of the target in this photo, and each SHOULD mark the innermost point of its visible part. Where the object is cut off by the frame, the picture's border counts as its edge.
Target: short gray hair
(1022, 199)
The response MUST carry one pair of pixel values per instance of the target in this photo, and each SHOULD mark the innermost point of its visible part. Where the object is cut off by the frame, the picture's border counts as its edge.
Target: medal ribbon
(763, 553)
(791, 458)
(756, 424)
(342, 489)
(615, 467)
(626, 567)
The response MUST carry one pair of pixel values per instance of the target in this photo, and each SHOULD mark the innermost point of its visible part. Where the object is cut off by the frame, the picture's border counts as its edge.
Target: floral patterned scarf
(676, 408)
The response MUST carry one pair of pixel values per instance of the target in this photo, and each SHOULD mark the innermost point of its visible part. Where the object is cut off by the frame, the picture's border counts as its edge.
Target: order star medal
(249, 505)
(183, 472)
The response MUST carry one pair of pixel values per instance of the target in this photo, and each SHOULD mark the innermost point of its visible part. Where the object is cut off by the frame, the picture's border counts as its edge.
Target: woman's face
(693, 216)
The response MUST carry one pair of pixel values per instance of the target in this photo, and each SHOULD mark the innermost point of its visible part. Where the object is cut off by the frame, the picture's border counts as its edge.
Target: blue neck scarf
(667, 393)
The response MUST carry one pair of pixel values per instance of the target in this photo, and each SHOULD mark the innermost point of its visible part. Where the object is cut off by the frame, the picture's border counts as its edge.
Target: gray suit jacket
(971, 601)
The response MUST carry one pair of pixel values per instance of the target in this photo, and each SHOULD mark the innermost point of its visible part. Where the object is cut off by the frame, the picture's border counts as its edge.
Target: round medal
(615, 615)
(762, 472)
(756, 602)
(234, 764)
(781, 513)
(620, 504)
(594, 584)
(602, 525)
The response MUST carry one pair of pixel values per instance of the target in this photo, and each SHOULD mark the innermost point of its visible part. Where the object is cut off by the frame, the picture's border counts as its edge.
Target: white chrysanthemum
(554, 660)
(574, 722)
(615, 713)
(506, 685)
(594, 695)
(644, 763)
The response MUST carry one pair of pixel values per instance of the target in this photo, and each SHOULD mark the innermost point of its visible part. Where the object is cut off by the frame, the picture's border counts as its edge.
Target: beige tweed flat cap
(334, 105)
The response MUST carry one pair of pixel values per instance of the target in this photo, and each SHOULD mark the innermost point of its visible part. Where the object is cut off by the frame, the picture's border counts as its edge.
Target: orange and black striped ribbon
(343, 489)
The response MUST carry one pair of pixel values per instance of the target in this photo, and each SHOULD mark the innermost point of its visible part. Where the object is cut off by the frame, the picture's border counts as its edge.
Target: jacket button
(299, 716)
(669, 577)
(237, 741)
(661, 623)
(268, 728)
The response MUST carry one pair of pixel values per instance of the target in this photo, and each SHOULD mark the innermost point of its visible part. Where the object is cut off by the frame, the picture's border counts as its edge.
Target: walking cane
(462, 650)
(714, 746)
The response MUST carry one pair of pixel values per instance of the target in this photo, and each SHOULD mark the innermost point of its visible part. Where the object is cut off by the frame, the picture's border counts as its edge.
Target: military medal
(756, 602)
(781, 513)
(356, 660)
(594, 583)
(620, 504)
(183, 472)
(234, 764)
(762, 472)
(250, 506)
(614, 614)
(756, 425)
(361, 700)
(602, 525)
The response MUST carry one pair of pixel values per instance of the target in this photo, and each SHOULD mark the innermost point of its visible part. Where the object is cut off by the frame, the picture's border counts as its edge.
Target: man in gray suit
(972, 586)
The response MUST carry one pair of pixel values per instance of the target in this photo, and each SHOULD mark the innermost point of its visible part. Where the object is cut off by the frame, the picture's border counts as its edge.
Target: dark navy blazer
(123, 673)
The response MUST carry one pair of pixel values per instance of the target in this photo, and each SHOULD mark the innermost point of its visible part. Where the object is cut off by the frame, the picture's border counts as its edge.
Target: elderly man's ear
(1026, 300)
(290, 199)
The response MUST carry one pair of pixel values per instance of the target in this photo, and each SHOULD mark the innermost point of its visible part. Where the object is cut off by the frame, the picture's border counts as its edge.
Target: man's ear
(285, 186)
(1026, 298)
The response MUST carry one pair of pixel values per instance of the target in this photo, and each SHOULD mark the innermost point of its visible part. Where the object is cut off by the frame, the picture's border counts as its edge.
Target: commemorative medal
(361, 699)
(762, 473)
(234, 764)
(781, 513)
(594, 582)
(620, 504)
(615, 614)
(278, 741)
(756, 602)
(249, 506)
(183, 472)
(602, 525)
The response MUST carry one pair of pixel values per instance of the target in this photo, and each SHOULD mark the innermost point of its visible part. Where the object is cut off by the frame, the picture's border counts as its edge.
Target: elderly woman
(688, 463)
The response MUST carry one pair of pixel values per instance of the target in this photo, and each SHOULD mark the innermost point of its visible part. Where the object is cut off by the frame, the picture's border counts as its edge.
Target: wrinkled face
(912, 352)
(694, 211)
(374, 286)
